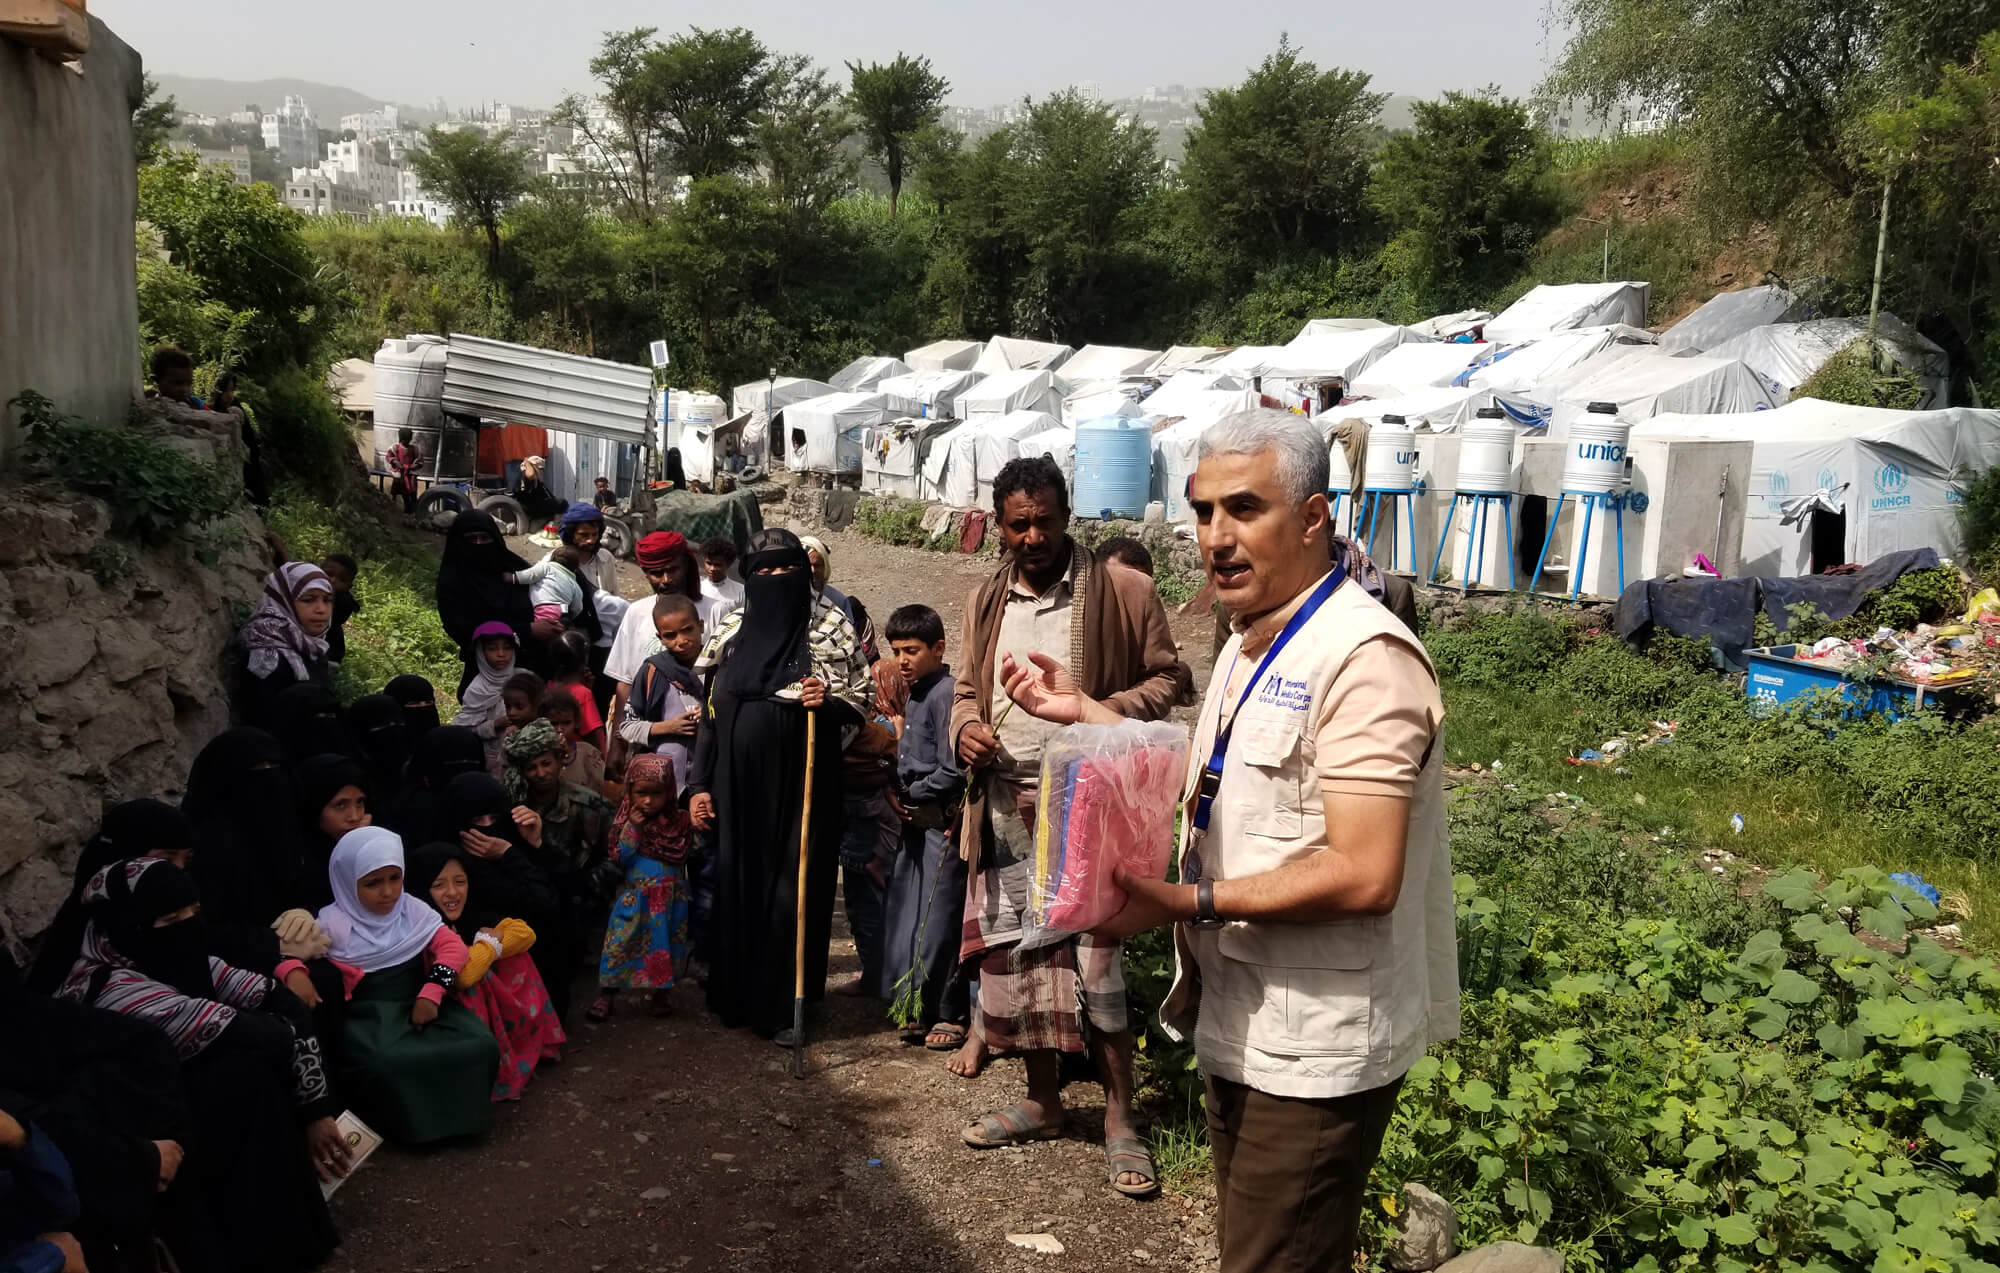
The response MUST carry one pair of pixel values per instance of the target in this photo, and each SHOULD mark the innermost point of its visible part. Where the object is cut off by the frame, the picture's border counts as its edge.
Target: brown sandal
(1010, 1126)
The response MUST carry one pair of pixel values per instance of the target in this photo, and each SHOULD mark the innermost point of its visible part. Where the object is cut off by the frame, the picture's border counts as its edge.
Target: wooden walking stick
(799, 929)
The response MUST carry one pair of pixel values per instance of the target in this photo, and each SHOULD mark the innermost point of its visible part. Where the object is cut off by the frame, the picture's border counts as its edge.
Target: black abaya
(471, 590)
(751, 759)
(243, 802)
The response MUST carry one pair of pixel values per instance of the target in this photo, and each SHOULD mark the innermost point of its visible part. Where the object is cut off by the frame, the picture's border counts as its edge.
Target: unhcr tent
(1005, 391)
(824, 435)
(893, 454)
(1180, 358)
(1725, 315)
(935, 391)
(1098, 404)
(1174, 445)
(999, 441)
(1107, 362)
(864, 374)
(1059, 444)
(1644, 383)
(1245, 361)
(1005, 353)
(1441, 408)
(1174, 397)
(944, 355)
(1564, 306)
(759, 399)
(1785, 355)
(1446, 326)
(1321, 326)
(1517, 369)
(1346, 354)
(1414, 366)
(1896, 477)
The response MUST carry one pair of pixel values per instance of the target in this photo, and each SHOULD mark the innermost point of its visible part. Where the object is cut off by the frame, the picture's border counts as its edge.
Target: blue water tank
(1114, 467)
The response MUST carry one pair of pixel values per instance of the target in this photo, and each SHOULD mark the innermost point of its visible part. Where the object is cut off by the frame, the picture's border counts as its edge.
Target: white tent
(1121, 399)
(1520, 368)
(1644, 383)
(1170, 398)
(1321, 326)
(935, 461)
(1346, 354)
(1005, 391)
(1897, 476)
(1174, 445)
(936, 391)
(1005, 353)
(1246, 361)
(999, 441)
(892, 455)
(1725, 315)
(1563, 306)
(1059, 444)
(1181, 357)
(1414, 366)
(1107, 362)
(760, 398)
(1445, 326)
(702, 447)
(944, 355)
(823, 435)
(1441, 408)
(864, 374)
(1785, 355)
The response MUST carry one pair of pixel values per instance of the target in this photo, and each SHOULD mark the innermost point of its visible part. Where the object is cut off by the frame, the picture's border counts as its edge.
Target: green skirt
(415, 1086)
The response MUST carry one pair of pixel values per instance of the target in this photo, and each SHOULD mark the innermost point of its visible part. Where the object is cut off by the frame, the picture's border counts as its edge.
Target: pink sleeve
(286, 968)
(448, 950)
(350, 977)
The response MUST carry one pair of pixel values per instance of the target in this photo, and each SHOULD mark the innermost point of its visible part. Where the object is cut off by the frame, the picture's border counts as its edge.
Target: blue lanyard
(1211, 778)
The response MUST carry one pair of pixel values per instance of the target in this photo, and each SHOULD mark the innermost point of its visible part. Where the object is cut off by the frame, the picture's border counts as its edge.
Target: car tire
(507, 511)
(442, 499)
(618, 538)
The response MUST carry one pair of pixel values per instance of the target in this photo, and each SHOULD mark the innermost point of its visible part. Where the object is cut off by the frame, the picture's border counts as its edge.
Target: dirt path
(677, 1144)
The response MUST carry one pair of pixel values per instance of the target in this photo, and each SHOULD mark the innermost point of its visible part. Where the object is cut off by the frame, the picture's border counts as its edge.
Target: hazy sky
(467, 51)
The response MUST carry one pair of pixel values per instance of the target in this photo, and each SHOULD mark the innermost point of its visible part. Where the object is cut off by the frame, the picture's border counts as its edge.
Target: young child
(341, 570)
(645, 944)
(555, 585)
(520, 702)
(418, 1066)
(402, 460)
(583, 764)
(482, 706)
(569, 661)
(604, 497)
(173, 375)
(922, 924)
(718, 555)
(664, 706)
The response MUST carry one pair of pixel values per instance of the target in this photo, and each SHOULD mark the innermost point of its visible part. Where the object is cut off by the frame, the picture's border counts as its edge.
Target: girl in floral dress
(499, 982)
(645, 944)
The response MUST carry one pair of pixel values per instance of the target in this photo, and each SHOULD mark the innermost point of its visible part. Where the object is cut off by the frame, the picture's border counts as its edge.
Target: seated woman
(499, 983)
(134, 829)
(306, 719)
(437, 757)
(418, 699)
(419, 1066)
(333, 800)
(514, 869)
(249, 1058)
(284, 642)
(382, 742)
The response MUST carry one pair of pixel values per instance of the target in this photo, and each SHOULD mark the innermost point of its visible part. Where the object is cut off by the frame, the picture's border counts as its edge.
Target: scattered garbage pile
(1951, 654)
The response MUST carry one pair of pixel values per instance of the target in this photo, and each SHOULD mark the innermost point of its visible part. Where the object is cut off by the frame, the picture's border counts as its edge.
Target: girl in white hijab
(419, 1067)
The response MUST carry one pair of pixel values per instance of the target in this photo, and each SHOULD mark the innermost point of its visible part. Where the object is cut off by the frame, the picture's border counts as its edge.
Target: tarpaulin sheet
(735, 516)
(1562, 306)
(1786, 355)
(1729, 314)
(1725, 610)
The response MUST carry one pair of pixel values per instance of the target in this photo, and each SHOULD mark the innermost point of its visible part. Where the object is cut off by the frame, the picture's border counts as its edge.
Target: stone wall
(69, 310)
(112, 674)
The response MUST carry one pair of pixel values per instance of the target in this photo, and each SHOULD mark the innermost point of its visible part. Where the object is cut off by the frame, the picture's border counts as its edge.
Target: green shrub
(154, 493)
(306, 439)
(1979, 520)
(1514, 649)
(1851, 376)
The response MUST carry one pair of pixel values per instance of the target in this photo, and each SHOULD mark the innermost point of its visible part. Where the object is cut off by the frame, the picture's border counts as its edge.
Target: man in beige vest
(1315, 941)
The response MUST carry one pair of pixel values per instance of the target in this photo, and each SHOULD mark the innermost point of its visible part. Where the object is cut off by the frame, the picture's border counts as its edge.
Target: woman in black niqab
(435, 759)
(750, 760)
(511, 880)
(243, 802)
(472, 591)
(418, 699)
(377, 723)
(306, 719)
(134, 829)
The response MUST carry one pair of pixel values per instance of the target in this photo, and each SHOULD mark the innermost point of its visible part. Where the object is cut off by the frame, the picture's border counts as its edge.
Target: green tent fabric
(735, 516)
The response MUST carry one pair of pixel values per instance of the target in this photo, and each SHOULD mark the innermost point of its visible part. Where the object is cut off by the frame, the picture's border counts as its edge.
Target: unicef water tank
(1595, 461)
(1391, 464)
(409, 394)
(1114, 467)
(1486, 454)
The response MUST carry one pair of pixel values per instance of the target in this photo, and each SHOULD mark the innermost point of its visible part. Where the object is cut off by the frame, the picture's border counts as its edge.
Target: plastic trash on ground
(1916, 884)
(1109, 793)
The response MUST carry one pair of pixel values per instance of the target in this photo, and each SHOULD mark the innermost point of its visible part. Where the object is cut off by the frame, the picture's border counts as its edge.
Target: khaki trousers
(1290, 1174)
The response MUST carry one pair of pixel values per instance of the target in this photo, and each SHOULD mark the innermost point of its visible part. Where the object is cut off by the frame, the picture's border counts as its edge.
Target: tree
(712, 86)
(568, 255)
(801, 137)
(1277, 164)
(153, 120)
(716, 252)
(478, 176)
(894, 103)
(246, 249)
(635, 108)
(1468, 194)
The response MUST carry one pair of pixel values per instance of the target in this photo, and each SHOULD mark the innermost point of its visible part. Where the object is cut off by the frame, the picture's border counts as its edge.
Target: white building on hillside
(354, 163)
(438, 214)
(368, 125)
(314, 194)
(292, 133)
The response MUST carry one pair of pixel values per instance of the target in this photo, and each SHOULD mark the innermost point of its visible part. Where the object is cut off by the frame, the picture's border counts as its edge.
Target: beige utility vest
(1321, 1009)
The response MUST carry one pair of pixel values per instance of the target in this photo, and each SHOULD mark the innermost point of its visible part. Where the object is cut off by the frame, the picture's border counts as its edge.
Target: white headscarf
(362, 938)
(273, 634)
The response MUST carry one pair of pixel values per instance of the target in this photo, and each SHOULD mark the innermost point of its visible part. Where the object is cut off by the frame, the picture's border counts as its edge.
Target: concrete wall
(69, 311)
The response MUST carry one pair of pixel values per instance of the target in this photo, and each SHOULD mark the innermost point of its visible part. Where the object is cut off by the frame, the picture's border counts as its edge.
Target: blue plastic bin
(1776, 677)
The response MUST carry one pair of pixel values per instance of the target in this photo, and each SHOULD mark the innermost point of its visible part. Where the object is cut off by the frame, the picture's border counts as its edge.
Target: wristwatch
(1204, 905)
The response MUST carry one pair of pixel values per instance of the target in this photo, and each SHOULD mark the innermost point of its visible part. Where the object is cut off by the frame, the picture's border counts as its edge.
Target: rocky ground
(676, 1144)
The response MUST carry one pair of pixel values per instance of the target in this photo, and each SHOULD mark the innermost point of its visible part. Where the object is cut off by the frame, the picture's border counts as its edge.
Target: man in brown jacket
(1055, 637)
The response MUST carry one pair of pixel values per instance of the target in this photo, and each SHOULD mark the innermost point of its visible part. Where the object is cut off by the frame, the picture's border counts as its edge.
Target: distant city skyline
(469, 52)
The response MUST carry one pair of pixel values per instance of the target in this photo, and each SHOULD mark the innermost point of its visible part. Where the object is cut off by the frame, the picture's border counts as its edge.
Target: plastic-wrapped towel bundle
(1108, 799)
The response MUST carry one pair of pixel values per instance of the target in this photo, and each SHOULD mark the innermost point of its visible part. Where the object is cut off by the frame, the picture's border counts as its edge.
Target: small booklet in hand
(362, 1140)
